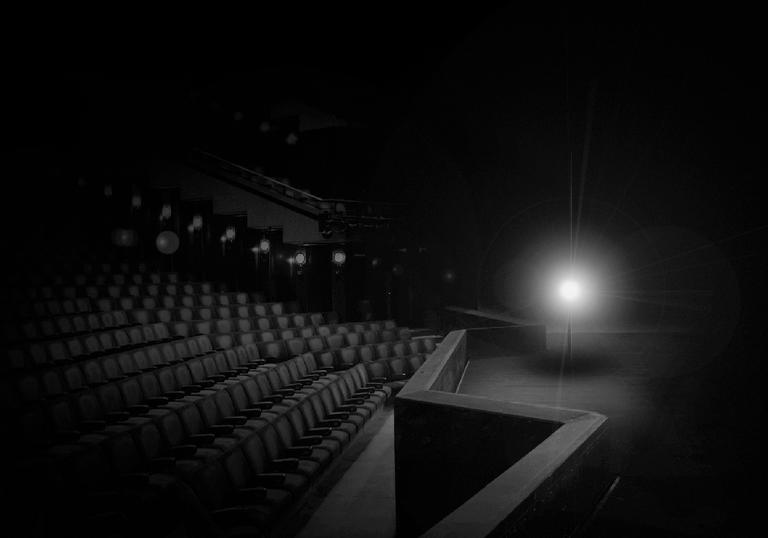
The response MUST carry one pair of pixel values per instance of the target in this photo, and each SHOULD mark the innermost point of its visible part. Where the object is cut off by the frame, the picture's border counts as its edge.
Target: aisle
(362, 503)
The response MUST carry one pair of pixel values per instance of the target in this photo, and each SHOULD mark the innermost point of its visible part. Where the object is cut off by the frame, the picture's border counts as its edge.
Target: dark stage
(672, 426)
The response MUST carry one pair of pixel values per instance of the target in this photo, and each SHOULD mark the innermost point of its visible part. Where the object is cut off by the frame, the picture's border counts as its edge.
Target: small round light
(264, 246)
(300, 257)
(339, 257)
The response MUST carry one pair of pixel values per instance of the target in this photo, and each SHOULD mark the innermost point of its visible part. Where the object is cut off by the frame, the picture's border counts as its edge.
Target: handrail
(255, 173)
(302, 193)
(531, 454)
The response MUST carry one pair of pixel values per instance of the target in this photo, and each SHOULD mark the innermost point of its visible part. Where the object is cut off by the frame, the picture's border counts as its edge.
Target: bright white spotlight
(570, 290)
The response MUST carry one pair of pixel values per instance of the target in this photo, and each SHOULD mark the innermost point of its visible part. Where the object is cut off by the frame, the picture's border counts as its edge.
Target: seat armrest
(162, 465)
(329, 423)
(323, 432)
(216, 378)
(345, 409)
(184, 451)
(174, 394)
(263, 405)
(354, 401)
(338, 415)
(117, 416)
(276, 398)
(189, 389)
(269, 480)
(285, 392)
(155, 401)
(378, 380)
(139, 409)
(222, 429)
(365, 390)
(285, 464)
(205, 383)
(202, 439)
(376, 386)
(309, 440)
(251, 412)
(298, 451)
(235, 420)
(305, 382)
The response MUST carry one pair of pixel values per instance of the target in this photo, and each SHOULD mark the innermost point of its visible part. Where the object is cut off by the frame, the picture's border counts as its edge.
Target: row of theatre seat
(153, 336)
(109, 278)
(149, 406)
(113, 286)
(75, 270)
(80, 305)
(175, 434)
(70, 376)
(260, 313)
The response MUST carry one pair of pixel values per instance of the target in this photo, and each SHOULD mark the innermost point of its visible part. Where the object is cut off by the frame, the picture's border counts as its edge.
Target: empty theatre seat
(159, 396)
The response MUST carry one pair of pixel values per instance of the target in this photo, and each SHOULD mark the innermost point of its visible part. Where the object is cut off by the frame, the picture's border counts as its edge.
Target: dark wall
(463, 452)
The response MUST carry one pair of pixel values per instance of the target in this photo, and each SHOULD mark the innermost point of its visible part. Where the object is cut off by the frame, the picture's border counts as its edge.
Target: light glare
(570, 290)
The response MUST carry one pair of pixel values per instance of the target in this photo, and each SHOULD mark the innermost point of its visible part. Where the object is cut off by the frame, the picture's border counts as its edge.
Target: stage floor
(667, 428)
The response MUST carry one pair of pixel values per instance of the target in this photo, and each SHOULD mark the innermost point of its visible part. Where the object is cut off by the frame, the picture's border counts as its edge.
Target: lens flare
(570, 290)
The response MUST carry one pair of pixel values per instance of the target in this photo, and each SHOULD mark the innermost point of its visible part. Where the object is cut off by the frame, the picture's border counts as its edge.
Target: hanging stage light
(300, 257)
(165, 212)
(197, 222)
(264, 246)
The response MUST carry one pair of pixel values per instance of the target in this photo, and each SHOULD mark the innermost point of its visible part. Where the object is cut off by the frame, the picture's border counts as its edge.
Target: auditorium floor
(362, 502)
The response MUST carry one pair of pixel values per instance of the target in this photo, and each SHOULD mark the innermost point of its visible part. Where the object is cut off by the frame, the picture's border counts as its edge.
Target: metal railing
(331, 209)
